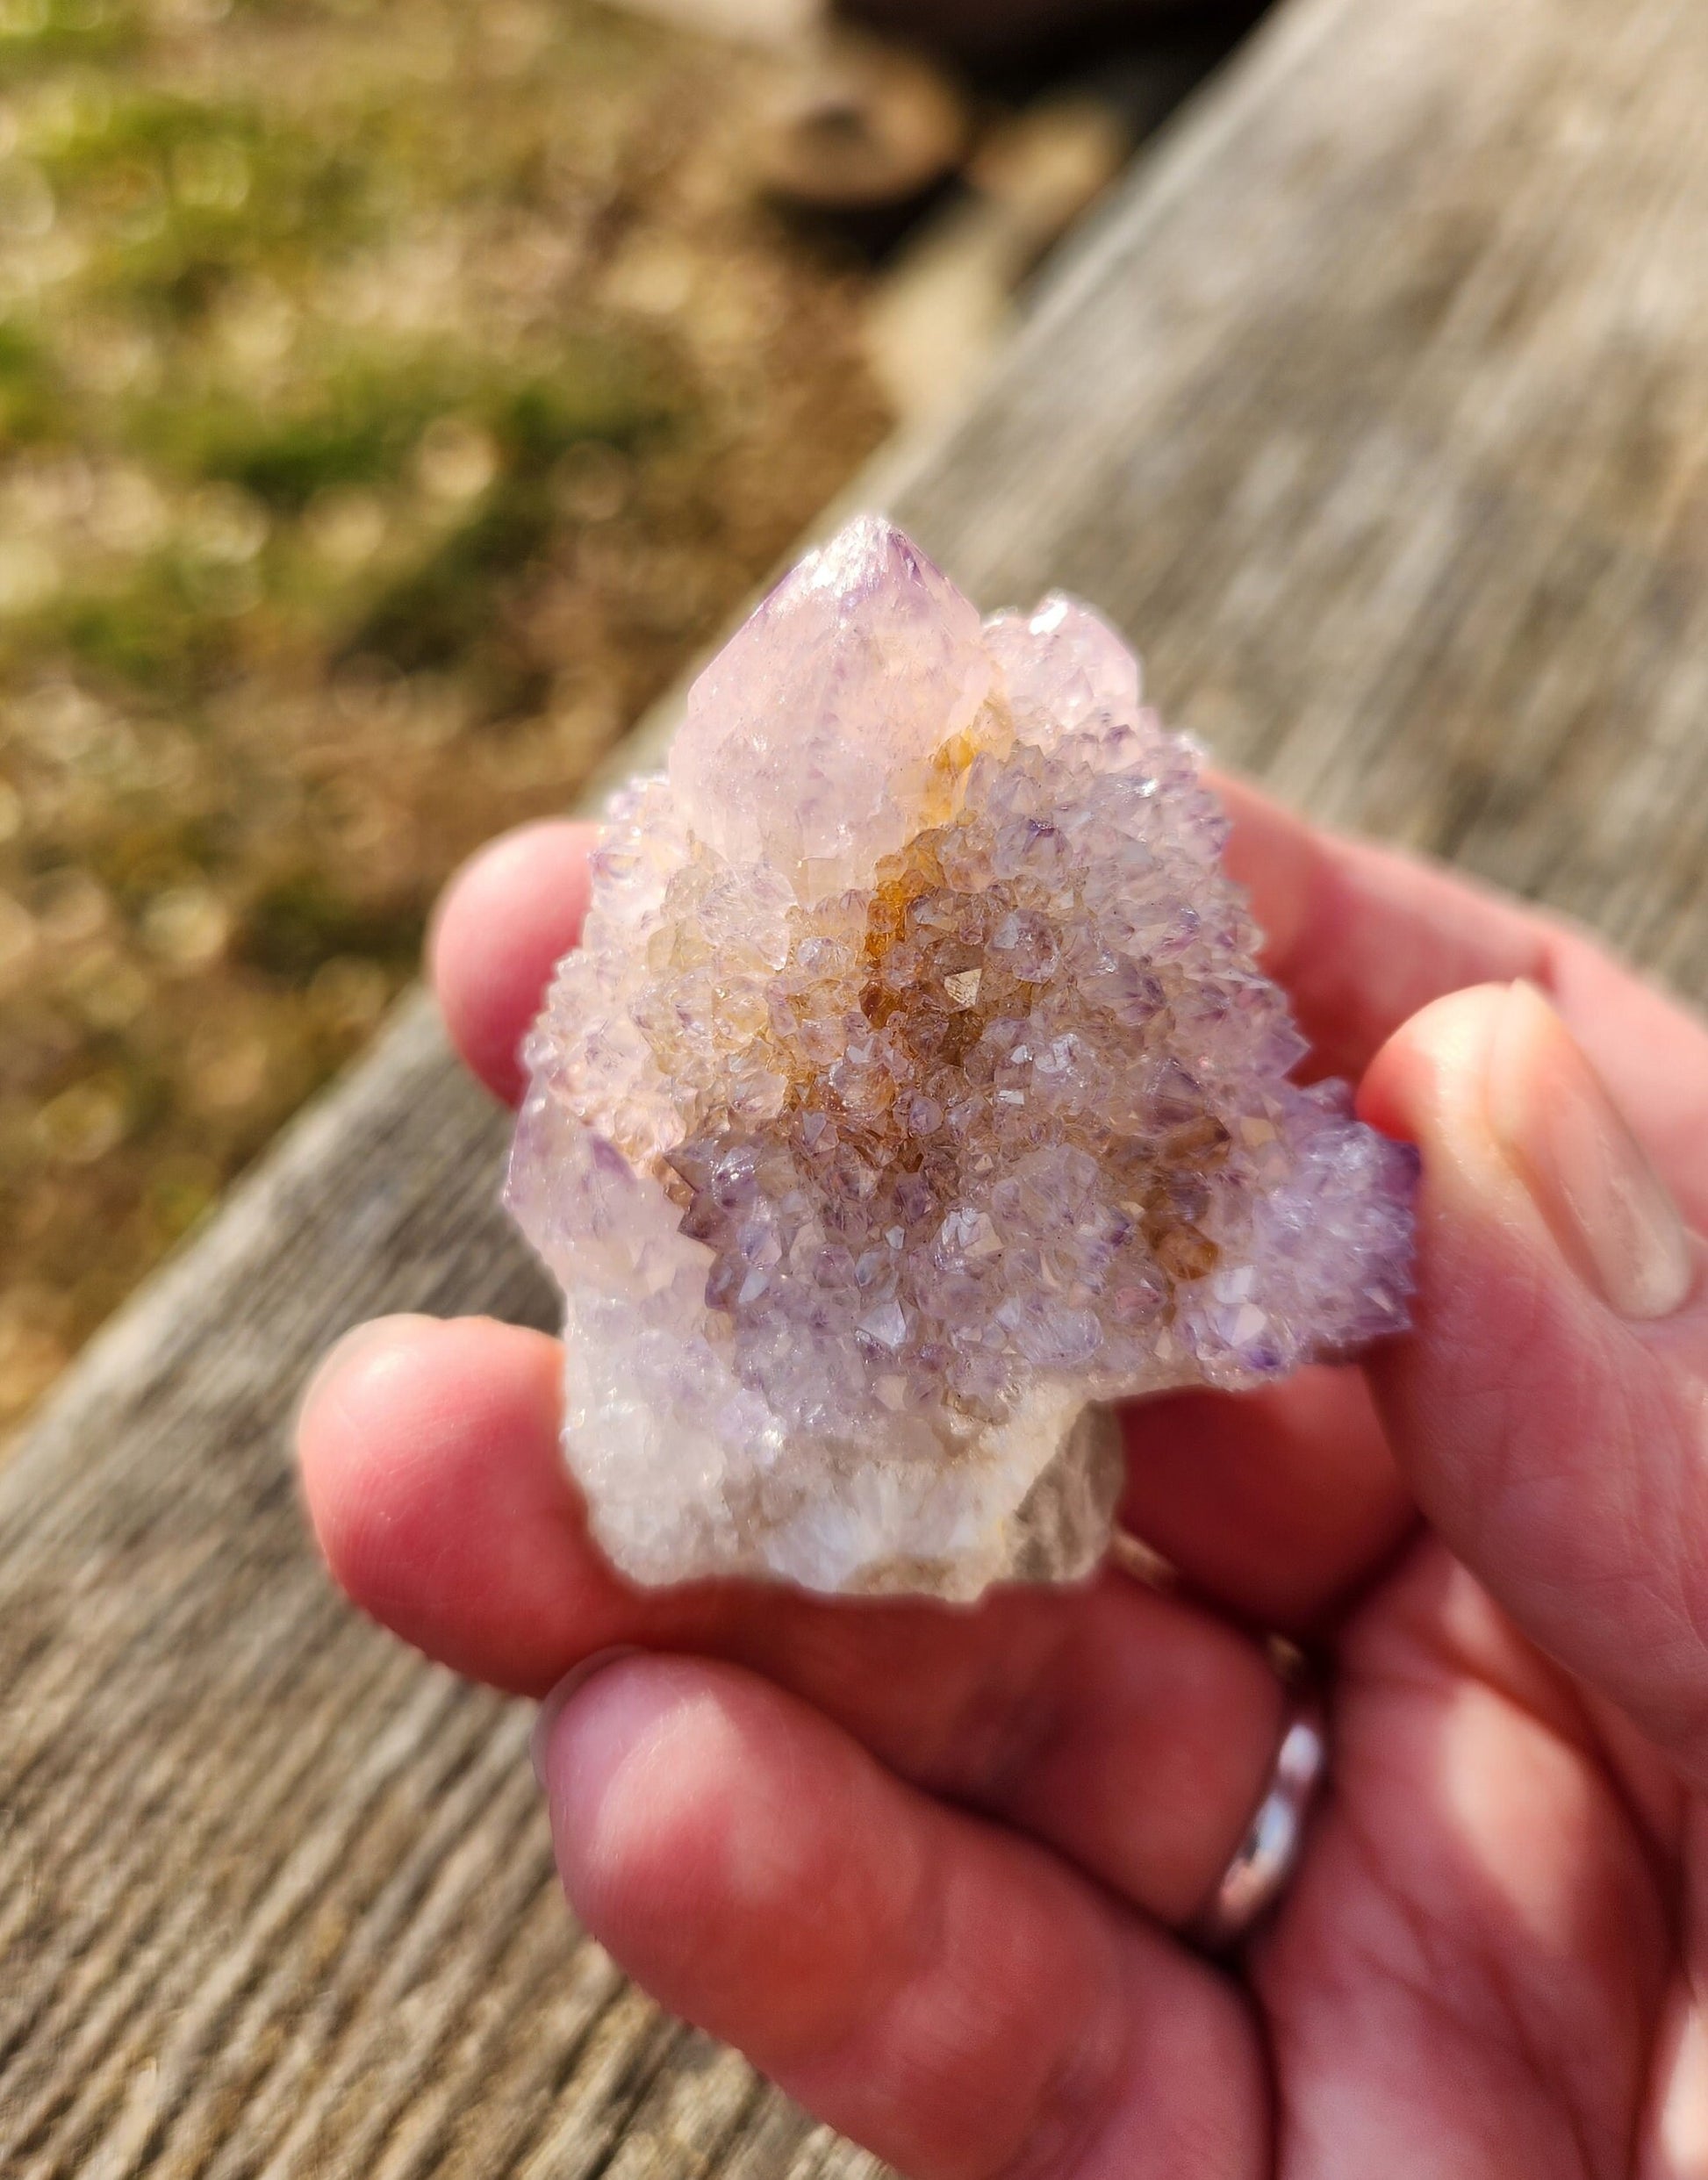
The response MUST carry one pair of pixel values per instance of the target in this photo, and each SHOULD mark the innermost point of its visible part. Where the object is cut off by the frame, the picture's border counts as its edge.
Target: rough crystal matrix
(913, 1093)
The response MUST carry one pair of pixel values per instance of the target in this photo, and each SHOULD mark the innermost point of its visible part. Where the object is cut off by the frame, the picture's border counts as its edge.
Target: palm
(1472, 1968)
(927, 1867)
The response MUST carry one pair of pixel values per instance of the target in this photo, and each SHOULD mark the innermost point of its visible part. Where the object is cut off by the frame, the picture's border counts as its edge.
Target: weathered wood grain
(1377, 410)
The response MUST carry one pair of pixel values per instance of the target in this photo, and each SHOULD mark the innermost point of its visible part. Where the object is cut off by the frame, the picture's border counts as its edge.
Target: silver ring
(1264, 1865)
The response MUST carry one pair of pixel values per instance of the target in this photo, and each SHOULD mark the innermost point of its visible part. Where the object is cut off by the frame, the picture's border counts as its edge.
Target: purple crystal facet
(913, 1092)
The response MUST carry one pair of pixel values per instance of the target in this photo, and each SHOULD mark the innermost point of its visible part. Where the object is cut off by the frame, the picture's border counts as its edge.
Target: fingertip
(702, 1822)
(1434, 1064)
(429, 1463)
(343, 1393)
(503, 922)
(1482, 1265)
(638, 1764)
(556, 1701)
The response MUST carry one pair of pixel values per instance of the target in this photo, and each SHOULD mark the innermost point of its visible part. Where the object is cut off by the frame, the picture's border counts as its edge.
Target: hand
(923, 1866)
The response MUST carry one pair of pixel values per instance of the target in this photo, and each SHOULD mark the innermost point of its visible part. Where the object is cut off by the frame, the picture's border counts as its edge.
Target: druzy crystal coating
(913, 1095)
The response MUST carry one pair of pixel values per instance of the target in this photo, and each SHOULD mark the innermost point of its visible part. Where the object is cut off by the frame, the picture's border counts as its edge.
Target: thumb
(1551, 1408)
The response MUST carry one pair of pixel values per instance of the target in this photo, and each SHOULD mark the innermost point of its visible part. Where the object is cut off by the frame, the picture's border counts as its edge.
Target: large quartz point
(913, 1095)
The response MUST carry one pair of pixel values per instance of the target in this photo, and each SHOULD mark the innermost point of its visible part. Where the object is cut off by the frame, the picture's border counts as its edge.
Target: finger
(1549, 1409)
(1363, 938)
(1133, 1733)
(948, 1995)
(1467, 1977)
(504, 922)
(1278, 1504)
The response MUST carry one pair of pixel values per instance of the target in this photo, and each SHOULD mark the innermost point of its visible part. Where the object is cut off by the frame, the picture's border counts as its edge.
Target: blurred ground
(392, 393)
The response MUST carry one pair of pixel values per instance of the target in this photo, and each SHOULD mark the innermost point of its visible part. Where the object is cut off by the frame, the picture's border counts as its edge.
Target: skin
(927, 1867)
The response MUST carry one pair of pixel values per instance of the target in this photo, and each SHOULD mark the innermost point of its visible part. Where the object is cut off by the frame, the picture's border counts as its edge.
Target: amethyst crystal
(912, 1093)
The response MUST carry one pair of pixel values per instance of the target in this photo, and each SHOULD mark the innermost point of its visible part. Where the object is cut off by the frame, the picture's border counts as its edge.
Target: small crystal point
(809, 740)
(912, 1093)
(1063, 667)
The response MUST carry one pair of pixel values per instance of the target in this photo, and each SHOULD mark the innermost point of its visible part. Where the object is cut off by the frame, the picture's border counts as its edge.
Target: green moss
(185, 201)
(304, 920)
(33, 406)
(357, 429)
(361, 421)
(35, 34)
(605, 392)
(181, 196)
(436, 613)
(154, 631)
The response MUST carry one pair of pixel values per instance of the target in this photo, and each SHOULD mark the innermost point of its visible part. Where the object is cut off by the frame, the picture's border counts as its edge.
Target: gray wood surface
(1376, 409)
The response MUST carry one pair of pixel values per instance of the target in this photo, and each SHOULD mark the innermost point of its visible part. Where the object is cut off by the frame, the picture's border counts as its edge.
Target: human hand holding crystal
(928, 1865)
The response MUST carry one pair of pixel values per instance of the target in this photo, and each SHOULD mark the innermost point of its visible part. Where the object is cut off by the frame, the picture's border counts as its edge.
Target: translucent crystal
(913, 1095)
(810, 741)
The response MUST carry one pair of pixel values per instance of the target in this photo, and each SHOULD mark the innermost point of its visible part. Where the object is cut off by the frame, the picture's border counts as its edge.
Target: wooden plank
(1374, 410)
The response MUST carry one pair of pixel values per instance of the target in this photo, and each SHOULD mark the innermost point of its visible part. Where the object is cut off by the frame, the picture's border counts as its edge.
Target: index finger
(1363, 938)
(503, 923)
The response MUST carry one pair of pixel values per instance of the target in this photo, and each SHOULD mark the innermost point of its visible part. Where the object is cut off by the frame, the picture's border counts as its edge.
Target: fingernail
(1586, 1173)
(553, 1706)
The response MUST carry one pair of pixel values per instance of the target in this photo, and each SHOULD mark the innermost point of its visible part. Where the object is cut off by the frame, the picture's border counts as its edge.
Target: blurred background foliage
(392, 394)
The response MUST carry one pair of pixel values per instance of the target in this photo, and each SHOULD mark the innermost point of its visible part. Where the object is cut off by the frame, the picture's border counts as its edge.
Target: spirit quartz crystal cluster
(913, 1093)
